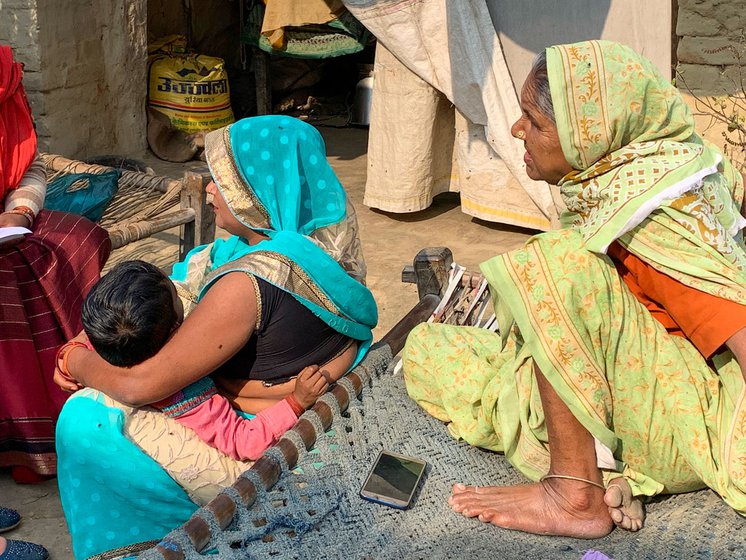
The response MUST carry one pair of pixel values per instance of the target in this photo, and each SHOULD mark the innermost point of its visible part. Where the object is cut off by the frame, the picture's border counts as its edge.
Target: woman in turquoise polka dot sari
(293, 229)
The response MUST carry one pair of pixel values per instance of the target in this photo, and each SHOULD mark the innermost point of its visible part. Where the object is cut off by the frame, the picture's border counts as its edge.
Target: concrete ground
(389, 243)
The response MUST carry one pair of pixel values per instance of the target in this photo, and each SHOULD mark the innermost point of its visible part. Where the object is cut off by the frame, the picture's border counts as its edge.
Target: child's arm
(211, 417)
(253, 396)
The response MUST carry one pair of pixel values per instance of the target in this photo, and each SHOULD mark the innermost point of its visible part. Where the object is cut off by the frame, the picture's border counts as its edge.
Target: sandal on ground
(9, 519)
(22, 550)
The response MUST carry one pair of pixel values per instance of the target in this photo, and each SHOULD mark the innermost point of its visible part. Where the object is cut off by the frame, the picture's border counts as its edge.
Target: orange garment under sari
(707, 321)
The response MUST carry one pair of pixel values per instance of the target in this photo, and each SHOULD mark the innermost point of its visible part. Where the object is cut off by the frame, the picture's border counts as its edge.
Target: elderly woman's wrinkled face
(544, 158)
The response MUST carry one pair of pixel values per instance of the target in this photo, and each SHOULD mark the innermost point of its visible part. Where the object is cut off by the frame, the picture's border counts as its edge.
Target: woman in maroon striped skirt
(44, 276)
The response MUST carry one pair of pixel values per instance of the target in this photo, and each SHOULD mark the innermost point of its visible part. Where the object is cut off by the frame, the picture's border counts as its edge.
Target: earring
(520, 135)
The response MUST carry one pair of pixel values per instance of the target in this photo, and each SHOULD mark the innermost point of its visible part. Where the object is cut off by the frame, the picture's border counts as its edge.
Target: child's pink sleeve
(218, 425)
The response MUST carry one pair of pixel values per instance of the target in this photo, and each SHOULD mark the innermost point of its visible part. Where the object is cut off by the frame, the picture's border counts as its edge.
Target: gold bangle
(26, 212)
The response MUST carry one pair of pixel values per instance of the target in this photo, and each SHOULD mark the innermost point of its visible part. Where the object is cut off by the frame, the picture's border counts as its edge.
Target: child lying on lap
(130, 314)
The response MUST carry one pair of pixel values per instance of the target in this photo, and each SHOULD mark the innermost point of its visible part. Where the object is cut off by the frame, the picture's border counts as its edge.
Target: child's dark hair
(129, 314)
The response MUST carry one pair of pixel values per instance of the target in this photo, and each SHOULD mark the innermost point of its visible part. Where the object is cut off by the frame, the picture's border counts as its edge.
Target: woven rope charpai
(300, 499)
(315, 511)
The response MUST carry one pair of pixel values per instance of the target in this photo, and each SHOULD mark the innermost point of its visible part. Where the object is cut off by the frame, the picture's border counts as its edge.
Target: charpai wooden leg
(260, 62)
(202, 229)
(430, 271)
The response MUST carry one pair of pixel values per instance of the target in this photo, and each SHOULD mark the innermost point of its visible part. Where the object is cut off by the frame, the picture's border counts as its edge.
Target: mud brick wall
(19, 29)
(711, 40)
(85, 63)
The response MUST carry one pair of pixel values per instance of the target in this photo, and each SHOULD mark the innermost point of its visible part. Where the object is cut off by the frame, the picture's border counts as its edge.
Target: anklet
(570, 477)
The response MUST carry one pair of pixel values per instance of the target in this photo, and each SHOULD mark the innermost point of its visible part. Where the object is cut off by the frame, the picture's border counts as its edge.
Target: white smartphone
(393, 480)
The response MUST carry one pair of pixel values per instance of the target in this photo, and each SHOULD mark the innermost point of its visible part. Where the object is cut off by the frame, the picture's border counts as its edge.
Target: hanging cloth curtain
(452, 48)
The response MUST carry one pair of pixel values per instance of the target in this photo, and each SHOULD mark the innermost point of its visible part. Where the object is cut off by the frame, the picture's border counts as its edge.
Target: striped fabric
(187, 398)
(43, 281)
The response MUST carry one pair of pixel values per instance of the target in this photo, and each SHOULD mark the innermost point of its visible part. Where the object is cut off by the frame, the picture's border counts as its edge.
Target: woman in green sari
(616, 373)
(285, 291)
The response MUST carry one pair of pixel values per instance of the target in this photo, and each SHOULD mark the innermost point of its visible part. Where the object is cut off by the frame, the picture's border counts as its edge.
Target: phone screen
(394, 479)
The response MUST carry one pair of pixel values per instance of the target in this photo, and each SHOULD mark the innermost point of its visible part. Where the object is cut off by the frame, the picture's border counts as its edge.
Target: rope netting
(315, 511)
(139, 199)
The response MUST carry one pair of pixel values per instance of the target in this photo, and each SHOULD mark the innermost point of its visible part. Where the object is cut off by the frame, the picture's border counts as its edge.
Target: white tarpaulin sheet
(450, 47)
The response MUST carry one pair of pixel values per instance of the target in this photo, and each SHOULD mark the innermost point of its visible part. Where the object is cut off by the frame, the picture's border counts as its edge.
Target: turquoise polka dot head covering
(273, 174)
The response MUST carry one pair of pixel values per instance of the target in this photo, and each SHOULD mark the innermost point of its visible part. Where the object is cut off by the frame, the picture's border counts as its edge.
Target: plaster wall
(85, 65)
(19, 29)
(527, 28)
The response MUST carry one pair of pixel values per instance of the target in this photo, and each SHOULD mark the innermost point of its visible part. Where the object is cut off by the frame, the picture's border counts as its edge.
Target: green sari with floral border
(661, 415)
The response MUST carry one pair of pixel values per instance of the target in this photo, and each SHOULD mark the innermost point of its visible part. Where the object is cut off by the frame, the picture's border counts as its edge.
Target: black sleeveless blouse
(289, 338)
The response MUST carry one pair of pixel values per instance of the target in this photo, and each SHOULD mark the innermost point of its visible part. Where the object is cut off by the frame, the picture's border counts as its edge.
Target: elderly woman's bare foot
(626, 511)
(553, 507)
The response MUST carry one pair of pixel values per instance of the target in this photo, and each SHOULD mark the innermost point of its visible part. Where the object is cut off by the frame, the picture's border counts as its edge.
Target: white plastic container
(362, 102)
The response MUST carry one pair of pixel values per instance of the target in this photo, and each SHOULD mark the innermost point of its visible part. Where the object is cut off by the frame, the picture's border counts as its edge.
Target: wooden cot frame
(184, 201)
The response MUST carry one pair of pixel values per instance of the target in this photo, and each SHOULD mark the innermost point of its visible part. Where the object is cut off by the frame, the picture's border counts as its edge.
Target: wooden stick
(198, 532)
(246, 489)
(289, 451)
(223, 508)
(396, 337)
(260, 62)
(432, 267)
(122, 235)
(194, 197)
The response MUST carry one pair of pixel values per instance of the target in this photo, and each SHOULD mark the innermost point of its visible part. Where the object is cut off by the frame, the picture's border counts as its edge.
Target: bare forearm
(335, 369)
(217, 328)
(135, 386)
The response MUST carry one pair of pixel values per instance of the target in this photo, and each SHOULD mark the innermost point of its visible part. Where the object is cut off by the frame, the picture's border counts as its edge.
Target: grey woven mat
(317, 513)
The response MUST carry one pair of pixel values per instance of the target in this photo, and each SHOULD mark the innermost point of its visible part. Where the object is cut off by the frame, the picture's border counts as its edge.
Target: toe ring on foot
(570, 477)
